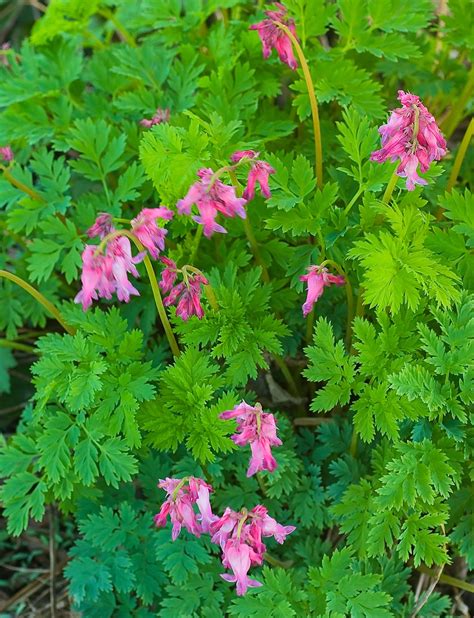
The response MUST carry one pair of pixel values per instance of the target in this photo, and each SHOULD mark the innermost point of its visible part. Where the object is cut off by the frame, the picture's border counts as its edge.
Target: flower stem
(460, 155)
(153, 282)
(48, 305)
(286, 374)
(353, 201)
(455, 115)
(20, 185)
(318, 149)
(390, 187)
(349, 297)
(197, 240)
(255, 250)
(110, 15)
(15, 345)
(249, 231)
(447, 579)
(211, 297)
(309, 327)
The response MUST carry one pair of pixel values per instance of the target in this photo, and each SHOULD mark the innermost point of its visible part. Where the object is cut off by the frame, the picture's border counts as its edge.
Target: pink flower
(97, 277)
(258, 429)
(211, 196)
(237, 557)
(182, 495)
(240, 537)
(259, 173)
(147, 231)
(106, 273)
(6, 153)
(318, 278)
(123, 263)
(273, 37)
(102, 226)
(160, 116)
(168, 274)
(190, 301)
(412, 137)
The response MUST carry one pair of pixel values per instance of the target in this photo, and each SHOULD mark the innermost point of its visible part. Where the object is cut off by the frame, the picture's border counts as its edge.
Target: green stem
(48, 305)
(153, 282)
(249, 231)
(255, 250)
(197, 240)
(455, 115)
(211, 297)
(286, 564)
(390, 187)
(349, 297)
(20, 185)
(353, 201)
(447, 579)
(118, 26)
(318, 149)
(460, 155)
(15, 345)
(286, 374)
(309, 327)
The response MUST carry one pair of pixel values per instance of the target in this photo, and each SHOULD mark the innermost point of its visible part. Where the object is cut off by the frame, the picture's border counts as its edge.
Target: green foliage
(188, 407)
(380, 483)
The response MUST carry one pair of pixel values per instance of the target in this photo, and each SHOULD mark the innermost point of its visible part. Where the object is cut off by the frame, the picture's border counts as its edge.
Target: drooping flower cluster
(183, 494)
(104, 274)
(105, 269)
(6, 154)
(240, 537)
(145, 228)
(211, 197)
(258, 429)
(412, 137)
(273, 37)
(318, 278)
(187, 293)
(239, 534)
(160, 116)
(259, 173)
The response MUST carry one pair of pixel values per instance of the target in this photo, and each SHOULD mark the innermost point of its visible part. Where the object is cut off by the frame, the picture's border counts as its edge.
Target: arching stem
(153, 282)
(460, 155)
(20, 185)
(318, 149)
(48, 305)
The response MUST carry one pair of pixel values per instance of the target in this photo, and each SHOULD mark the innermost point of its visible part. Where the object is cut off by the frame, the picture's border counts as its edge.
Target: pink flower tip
(317, 279)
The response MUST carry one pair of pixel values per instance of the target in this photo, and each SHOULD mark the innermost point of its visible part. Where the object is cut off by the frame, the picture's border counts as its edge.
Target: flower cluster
(258, 429)
(412, 137)
(239, 534)
(187, 294)
(212, 196)
(273, 37)
(259, 173)
(104, 274)
(160, 116)
(318, 278)
(105, 269)
(5, 47)
(6, 154)
(182, 495)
